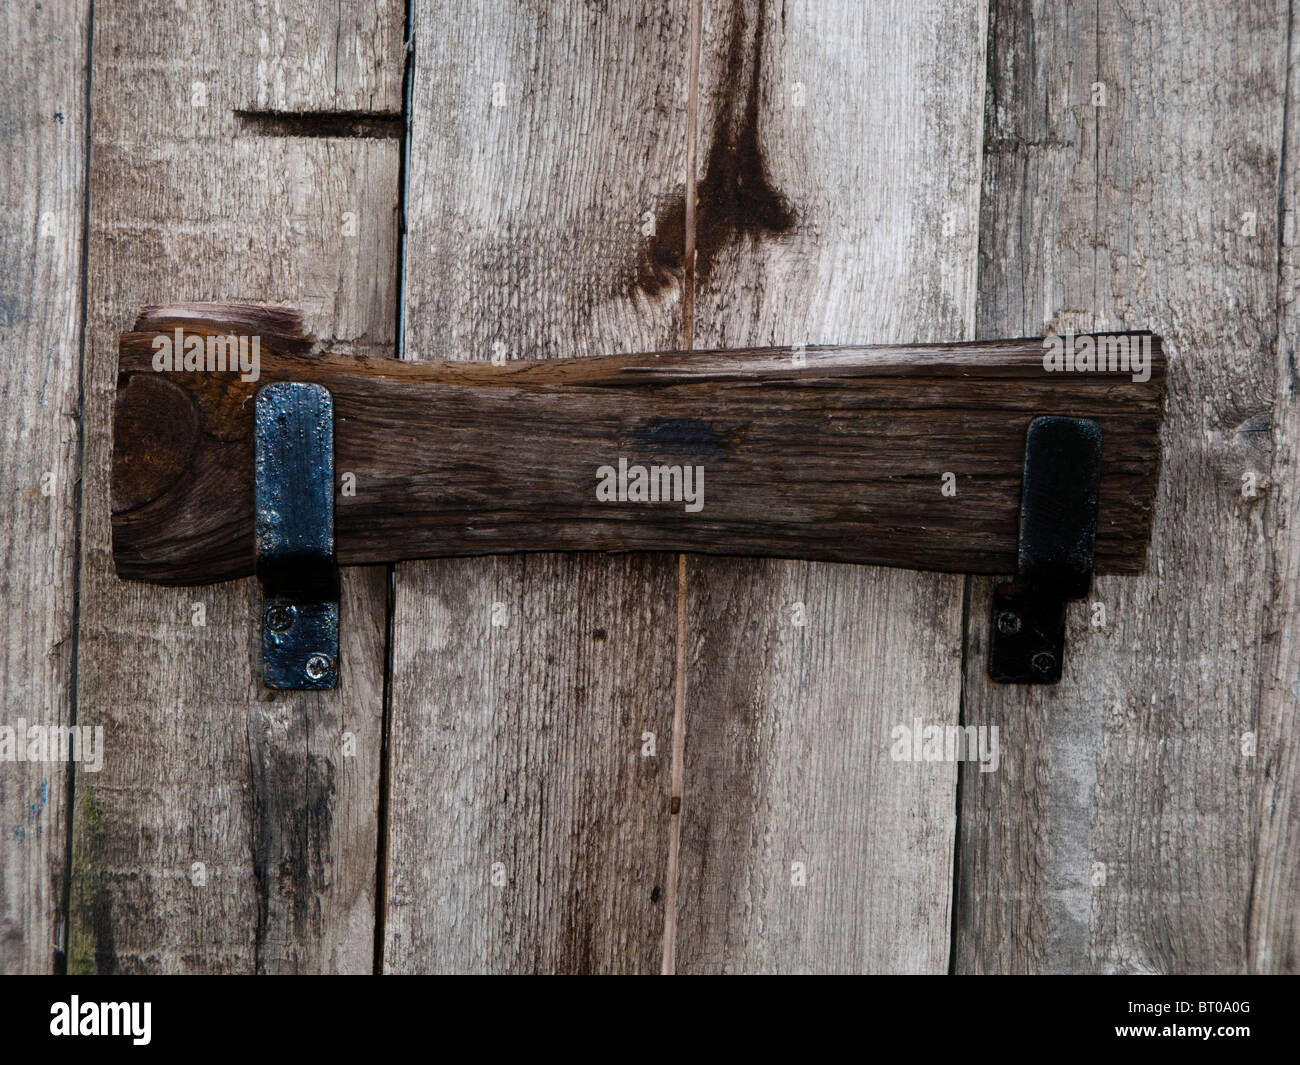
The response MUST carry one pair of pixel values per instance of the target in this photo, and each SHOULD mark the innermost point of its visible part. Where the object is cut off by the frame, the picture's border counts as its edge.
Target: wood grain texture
(1119, 834)
(232, 829)
(43, 56)
(1274, 915)
(326, 58)
(839, 189)
(842, 457)
(529, 832)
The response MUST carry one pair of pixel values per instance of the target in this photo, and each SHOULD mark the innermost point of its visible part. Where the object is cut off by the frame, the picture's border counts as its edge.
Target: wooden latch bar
(912, 456)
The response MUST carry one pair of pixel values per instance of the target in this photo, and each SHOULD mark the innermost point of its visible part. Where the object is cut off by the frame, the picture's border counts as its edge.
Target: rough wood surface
(1274, 921)
(564, 795)
(43, 56)
(312, 58)
(1132, 169)
(529, 812)
(231, 829)
(842, 457)
(839, 188)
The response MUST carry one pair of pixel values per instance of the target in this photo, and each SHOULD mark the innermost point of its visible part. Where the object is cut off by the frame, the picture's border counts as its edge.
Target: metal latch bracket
(1058, 528)
(293, 485)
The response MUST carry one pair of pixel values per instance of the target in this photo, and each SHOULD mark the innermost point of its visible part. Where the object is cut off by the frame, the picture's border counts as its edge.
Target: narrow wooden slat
(231, 829)
(838, 457)
(43, 54)
(532, 697)
(839, 189)
(1274, 921)
(1120, 832)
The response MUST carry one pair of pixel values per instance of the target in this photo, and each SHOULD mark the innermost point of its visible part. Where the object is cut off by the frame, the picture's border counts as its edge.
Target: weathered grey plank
(527, 829)
(839, 189)
(1120, 833)
(43, 56)
(1274, 915)
(231, 829)
(308, 58)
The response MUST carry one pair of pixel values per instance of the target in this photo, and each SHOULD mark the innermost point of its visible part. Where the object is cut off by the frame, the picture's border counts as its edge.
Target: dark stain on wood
(581, 932)
(659, 257)
(101, 928)
(92, 939)
(674, 436)
(735, 197)
(94, 948)
(293, 797)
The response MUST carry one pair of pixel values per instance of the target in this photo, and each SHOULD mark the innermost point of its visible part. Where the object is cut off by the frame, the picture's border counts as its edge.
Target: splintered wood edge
(280, 326)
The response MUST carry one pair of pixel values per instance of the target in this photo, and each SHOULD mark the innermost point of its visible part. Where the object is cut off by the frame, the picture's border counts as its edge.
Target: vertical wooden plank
(232, 829)
(839, 162)
(529, 823)
(43, 53)
(1274, 915)
(1132, 182)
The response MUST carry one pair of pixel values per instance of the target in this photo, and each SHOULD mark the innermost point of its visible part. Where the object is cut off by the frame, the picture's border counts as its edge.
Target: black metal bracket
(293, 485)
(1058, 526)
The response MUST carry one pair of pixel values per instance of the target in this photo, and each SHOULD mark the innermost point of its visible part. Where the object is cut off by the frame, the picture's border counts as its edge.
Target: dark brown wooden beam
(829, 453)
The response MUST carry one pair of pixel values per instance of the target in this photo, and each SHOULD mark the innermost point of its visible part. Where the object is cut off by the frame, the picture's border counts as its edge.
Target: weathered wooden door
(637, 763)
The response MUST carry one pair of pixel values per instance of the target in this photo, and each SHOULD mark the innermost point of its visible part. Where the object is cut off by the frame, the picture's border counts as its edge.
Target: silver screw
(280, 618)
(319, 666)
(1008, 623)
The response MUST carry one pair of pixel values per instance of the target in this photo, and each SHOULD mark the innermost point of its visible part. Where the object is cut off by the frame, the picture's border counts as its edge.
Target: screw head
(319, 666)
(280, 618)
(1008, 623)
(1043, 663)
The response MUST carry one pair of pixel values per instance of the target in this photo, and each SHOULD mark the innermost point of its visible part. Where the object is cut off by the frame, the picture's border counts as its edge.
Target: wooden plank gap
(688, 329)
(65, 902)
(390, 606)
(962, 769)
